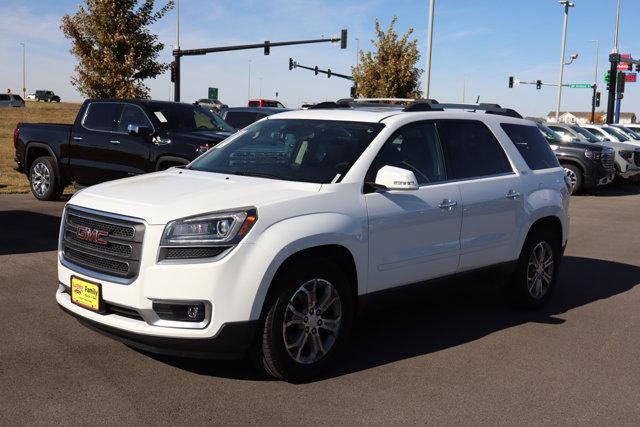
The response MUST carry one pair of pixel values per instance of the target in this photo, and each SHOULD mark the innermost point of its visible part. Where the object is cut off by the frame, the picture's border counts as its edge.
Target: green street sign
(580, 86)
(213, 93)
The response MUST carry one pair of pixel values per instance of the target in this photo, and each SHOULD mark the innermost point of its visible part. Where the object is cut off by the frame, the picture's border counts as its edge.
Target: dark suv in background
(47, 96)
(587, 165)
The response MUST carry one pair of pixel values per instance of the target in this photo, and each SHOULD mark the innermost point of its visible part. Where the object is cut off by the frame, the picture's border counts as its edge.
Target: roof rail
(328, 105)
(431, 105)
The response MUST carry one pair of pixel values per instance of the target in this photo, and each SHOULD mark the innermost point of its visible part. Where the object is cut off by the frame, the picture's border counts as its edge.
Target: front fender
(283, 239)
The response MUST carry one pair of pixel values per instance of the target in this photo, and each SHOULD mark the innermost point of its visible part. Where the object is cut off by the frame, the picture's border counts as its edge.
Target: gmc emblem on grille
(91, 235)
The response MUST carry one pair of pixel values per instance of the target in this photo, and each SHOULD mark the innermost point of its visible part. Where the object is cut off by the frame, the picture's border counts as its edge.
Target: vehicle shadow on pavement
(420, 320)
(27, 232)
(615, 190)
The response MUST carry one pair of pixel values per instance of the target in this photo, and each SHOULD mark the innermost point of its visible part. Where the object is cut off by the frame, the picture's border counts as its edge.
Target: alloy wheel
(573, 179)
(41, 179)
(540, 270)
(312, 321)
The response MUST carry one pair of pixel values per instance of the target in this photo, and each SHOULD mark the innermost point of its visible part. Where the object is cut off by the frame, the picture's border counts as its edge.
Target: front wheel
(575, 178)
(535, 277)
(43, 179)
(307, 322)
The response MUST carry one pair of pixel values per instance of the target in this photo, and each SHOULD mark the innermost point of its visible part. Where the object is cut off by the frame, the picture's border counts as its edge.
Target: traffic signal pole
(614, 58)
(267, 45)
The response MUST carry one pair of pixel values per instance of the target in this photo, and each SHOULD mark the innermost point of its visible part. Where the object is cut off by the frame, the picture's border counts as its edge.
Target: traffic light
(329, 73)
(538, 84)
(172, 66)
(607, 79)
(597, 99)
(638, 68)
(620, 83)
(291, 64)
(510, 82)
(267, 47)
(316, 70)
(343, 39)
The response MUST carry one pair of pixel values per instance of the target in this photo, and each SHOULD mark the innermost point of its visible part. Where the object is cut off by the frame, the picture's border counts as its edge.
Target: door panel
(492, 215)
(410, 237)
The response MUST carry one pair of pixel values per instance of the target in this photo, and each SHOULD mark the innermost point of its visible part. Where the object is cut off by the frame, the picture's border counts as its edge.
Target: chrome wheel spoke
(312, 321)
(540, 270)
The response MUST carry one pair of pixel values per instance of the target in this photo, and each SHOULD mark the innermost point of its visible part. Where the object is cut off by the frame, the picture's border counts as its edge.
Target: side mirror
(138, 130)
(393, 178)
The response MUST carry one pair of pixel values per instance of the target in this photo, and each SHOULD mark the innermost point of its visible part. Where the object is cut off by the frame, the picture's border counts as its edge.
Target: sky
(480, 42)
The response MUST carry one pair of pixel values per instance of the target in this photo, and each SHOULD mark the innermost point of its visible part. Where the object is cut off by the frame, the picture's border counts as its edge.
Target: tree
(391, 72)
(115, 50)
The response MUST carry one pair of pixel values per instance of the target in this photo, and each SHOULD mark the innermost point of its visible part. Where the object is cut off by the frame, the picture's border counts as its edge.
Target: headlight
(626, 154)
(593, 155)
(214, 229)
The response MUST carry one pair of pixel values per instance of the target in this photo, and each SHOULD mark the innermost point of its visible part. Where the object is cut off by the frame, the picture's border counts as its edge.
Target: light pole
(357, 52)
(595, 82)
(249, 83)
(260, 91)
(24, 88)
(567, 4)
(616, 117)
(177, 59)
(427, 76)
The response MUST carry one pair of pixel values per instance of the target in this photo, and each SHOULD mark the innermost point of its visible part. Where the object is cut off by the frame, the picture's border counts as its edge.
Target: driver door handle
(115, 142)
(77, 138)
(448, 204)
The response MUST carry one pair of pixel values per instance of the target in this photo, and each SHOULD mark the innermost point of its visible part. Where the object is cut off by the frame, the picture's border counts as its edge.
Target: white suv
(268, 243)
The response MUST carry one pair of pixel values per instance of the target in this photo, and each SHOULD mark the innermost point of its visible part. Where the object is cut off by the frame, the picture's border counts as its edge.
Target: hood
(176, 193)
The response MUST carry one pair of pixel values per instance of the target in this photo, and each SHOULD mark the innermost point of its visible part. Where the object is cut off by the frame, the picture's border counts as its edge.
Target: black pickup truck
(112, 139)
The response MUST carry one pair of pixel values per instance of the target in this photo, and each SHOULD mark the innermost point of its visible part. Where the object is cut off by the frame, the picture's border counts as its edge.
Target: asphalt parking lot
(453, 353)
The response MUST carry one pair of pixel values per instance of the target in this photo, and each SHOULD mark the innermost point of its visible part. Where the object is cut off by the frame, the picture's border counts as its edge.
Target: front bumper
(231, 342)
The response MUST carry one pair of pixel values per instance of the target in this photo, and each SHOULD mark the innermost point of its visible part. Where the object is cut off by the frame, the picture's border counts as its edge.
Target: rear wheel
(44, 180)
(307, 322)
(535, 277)
(575, 178)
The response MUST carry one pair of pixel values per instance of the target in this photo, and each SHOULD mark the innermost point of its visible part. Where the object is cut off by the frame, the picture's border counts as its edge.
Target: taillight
(16, 133)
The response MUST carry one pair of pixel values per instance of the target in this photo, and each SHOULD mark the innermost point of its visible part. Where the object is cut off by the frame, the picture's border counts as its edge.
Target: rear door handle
(448, 204)
(115, 142)
(77, 138)
(513, 195)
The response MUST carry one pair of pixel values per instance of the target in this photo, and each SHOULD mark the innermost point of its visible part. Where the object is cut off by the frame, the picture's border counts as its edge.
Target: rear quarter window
(532, 146)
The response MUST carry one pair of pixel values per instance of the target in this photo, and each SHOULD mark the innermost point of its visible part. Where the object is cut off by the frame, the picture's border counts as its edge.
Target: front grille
(122, 311)
(115, 251)
(608, 160)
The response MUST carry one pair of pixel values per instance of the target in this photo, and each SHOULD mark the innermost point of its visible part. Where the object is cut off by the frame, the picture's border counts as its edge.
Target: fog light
(192, 311)
(180, 312)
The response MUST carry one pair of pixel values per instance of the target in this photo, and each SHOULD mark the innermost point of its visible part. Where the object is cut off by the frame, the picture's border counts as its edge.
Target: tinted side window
(132, 115)
(532, 145)
(415, 147)
(103, 116)
(4, 97)
(472, 149)
(240, 119)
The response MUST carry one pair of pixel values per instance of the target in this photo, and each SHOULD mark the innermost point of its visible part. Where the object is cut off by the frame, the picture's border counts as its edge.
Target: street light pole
(249, 83)
(24, 88)
(616, 117)
(357, 52)
(595, 83)
(427, 76)
(567, 4)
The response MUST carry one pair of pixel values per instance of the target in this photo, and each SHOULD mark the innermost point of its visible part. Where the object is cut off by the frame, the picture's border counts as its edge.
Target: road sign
(630, 77)
(213, 93)
(624, 66)
(580, 85)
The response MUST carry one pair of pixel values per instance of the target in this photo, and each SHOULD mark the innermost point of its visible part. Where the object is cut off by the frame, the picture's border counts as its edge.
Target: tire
(532, 294)
(575, 176)
(307, 334)
(44, 180)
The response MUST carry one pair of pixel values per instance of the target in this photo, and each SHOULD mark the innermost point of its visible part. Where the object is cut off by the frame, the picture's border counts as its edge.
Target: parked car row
(594, 155)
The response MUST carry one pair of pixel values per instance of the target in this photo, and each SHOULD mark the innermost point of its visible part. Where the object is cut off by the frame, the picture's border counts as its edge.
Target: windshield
(584, 132)
(629, 132)
(551, 136)
(615, 132)
(190, 118)
(319, 151)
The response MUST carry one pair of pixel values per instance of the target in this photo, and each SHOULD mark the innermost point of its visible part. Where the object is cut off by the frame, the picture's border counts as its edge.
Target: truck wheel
(535, 277)
(307, 321)
(575, 177)
(43, 177)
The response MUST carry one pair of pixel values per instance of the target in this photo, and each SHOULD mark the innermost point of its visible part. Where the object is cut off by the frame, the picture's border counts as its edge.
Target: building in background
(584, 117)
